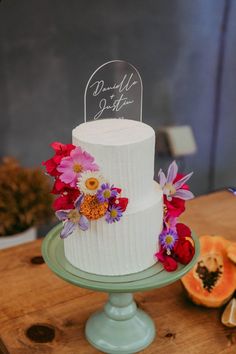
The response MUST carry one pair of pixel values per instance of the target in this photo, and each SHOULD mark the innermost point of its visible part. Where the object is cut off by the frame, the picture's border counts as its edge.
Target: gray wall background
(48, 49)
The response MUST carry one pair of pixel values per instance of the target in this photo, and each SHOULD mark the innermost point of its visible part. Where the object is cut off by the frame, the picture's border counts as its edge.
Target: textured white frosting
(124, 151)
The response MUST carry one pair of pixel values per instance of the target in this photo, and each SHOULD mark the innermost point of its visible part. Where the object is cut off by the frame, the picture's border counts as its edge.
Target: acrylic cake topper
(114, 90)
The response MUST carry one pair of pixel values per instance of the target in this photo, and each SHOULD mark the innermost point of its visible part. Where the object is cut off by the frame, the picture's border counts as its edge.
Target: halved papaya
(231, 252)
(212, 281)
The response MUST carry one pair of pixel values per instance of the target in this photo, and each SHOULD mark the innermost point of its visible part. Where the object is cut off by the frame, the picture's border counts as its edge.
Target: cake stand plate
(120, 327)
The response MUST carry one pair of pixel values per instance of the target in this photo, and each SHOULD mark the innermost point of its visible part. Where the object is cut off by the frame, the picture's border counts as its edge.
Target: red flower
(120, 202)
(66, 201)
(168, 262)
(119, 190)
(184, 251)
(175, 207)
(183, 230)
(178, 177)
(60, 187)
(161, 254)
(61, 150)
(51, 167)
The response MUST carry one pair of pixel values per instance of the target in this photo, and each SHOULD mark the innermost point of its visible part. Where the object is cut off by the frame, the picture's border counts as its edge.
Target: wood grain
(32, 295)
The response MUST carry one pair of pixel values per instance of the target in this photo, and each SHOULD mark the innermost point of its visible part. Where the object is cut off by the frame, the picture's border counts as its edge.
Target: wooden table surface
(41, 313)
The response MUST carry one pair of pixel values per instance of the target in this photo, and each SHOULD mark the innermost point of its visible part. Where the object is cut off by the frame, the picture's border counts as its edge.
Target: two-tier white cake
(124, 151)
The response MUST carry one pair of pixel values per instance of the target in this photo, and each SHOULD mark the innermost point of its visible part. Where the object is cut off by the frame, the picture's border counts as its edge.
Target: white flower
(89, 182)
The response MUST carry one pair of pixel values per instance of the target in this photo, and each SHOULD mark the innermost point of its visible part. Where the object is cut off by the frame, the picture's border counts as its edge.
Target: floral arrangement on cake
(175, 241)
(83, 193)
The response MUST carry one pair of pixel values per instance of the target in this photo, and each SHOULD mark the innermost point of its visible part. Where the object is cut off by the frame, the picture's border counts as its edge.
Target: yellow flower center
(107, 193)
(92, 183)
(170, 188)
(77, 168)
(114, 213)
(74, 216)
(169, 239)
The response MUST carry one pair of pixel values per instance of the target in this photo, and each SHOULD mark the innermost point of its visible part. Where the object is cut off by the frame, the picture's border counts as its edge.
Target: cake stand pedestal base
(120, 327)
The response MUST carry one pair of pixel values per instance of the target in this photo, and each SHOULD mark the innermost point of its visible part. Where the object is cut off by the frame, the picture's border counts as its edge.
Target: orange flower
(92, 209)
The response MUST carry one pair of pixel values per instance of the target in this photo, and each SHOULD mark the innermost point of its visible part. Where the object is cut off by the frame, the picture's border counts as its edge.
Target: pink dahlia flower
(72, 166)
(171, 188)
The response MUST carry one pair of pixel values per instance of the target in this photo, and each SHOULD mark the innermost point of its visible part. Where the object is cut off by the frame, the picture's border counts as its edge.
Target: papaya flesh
(212, 281)
(231, 252)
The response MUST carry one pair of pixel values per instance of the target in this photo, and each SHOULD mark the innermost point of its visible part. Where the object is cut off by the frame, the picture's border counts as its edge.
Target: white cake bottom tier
(124, 247)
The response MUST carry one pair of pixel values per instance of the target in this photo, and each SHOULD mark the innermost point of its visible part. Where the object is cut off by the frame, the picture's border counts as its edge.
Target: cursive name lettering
(125, 84)
(116, 106)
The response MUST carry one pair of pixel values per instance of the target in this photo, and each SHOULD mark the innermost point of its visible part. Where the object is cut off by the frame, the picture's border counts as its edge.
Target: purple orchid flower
(171, 189)
(72, 219)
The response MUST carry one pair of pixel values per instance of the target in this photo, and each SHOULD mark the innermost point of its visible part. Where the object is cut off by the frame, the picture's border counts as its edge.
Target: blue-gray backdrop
(185, 51)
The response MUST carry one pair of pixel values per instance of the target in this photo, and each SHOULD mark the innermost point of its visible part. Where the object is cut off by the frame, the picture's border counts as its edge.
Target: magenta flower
(72, 219)
(72, 166)
(170, 222)
(106, 192)
(174, 189)
(113, 214)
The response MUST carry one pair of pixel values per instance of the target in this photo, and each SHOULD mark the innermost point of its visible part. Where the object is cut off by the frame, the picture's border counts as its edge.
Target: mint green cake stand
(120, 327)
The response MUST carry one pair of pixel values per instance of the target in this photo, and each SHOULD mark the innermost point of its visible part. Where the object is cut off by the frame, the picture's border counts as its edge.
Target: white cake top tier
(124, 150)
(113, 132)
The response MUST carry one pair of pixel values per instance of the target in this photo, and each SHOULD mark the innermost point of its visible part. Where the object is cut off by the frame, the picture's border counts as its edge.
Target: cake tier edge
(124, 247)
